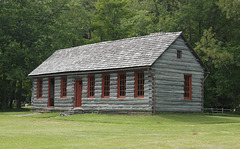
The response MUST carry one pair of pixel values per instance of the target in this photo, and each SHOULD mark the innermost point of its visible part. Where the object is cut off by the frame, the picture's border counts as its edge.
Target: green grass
(87, 131)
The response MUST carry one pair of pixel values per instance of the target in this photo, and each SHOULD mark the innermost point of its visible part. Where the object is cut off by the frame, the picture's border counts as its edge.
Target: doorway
(78, 93)
(50, 92)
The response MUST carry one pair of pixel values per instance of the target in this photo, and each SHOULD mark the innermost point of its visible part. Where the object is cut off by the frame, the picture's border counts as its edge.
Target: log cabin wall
(43, 102)
(169, 75)
(112, 104)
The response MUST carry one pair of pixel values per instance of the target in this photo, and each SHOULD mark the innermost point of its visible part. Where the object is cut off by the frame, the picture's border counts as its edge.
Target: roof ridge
(166, 33)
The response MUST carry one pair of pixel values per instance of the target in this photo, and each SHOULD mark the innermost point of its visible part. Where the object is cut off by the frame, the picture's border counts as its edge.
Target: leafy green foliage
(223, 85)
(109, 16)
(231, 8)
(211, 51)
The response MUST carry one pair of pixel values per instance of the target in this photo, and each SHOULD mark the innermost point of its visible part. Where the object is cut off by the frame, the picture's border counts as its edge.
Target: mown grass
(183, 131)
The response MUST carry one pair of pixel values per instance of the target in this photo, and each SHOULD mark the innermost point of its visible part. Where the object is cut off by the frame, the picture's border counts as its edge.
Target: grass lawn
(89, 131)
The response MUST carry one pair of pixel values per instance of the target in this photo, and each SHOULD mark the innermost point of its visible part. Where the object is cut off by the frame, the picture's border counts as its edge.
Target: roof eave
(90, 72)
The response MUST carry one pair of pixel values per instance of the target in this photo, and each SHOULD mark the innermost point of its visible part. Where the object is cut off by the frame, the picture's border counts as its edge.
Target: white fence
(217, 110)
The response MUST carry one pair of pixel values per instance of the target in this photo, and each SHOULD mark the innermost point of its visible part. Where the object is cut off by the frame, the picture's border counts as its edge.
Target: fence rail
(217, 110)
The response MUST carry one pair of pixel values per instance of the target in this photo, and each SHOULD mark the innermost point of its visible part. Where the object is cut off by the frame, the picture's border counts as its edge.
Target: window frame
(63, 86)
(105, 85)
(179, 54)
(39, 88)
(137, 85)
(119, 86)
(91, 87)
(187, 86)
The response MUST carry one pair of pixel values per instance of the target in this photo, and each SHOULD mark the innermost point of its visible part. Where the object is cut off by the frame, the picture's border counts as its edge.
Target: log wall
(169, 75)
(111, 104)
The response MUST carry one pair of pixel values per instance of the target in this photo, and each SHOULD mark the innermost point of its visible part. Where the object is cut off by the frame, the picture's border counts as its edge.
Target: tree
(231, 8)
(73, 27)
(192, 17)
(222, 86)
(109, 17)
(25, 27)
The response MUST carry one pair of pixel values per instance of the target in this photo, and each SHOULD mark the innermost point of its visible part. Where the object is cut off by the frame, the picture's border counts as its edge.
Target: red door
(78, 93)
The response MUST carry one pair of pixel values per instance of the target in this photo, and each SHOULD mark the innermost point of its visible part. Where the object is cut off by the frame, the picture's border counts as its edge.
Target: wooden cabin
(153, 73)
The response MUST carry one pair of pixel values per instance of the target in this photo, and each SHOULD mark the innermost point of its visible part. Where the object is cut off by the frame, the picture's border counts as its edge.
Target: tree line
(31, 30)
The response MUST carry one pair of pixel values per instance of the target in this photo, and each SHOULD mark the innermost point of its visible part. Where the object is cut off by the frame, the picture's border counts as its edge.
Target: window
(105, 85)
(179, 54)
(139, 84)
(187, 86)
(64, 87)
(39, 88)
(121, 85)
(91, 84)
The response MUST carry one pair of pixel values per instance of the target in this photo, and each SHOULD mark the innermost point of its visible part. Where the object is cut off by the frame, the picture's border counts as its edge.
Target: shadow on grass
(223, 114)
(16, 111)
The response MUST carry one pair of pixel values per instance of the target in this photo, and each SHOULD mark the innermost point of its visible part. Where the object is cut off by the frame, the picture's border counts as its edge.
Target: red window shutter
(63, 87)
(91, 86)
(105, 86)
(139, 84)
(188, 86)
(121, 85)
(39, 88)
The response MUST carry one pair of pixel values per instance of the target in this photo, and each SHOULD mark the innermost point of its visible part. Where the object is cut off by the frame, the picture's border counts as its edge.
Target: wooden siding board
(113, 85)
(164, 58)
(70, 86)
(118, 109)
(57, 89)
(178, 46)
(180, 67)
(181, 71)
(113, 101)
(34, 91)
(45, 88)
(84, 86)
(180, 63)
(170, 74)
(184, 56)
(171, 50)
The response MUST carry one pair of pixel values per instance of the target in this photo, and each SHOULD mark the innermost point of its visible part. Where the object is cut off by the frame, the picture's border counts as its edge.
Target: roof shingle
(124, 53)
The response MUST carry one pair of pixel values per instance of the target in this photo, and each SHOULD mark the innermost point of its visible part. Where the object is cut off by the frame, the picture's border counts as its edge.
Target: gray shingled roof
(124, 53)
